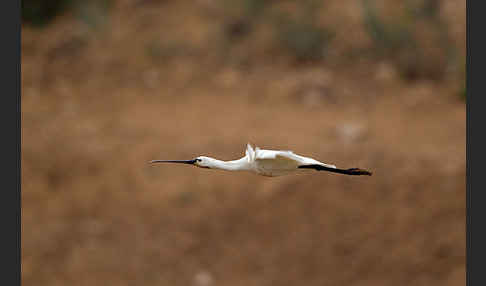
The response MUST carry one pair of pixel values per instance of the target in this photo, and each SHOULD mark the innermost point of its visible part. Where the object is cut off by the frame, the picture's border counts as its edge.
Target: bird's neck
(234, 165)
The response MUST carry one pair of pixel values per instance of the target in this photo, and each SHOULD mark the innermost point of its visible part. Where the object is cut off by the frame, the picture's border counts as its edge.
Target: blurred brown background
(108, 86)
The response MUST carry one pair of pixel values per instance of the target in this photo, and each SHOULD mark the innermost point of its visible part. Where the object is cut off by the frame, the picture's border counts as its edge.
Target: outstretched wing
(286, 158)
(275, 161)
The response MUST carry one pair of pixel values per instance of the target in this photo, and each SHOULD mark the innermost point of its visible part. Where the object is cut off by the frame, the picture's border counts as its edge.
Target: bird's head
(201, 162)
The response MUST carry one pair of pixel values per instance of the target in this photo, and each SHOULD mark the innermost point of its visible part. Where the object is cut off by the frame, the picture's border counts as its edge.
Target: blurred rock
(228, 78)
(316, 95)
(351, 132)
(203, 278)
(151, 78)
(315, 89)
(385, 72)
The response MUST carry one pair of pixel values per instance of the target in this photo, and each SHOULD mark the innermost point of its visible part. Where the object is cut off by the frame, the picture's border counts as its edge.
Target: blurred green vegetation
(416, 41)
(40, 13)
(295, 31)
(301, 35)
(464, 89)
(464, 80)
(304, 40)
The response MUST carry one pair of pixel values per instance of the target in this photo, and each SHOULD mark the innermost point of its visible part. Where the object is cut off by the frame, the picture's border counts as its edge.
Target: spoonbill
(270, 163)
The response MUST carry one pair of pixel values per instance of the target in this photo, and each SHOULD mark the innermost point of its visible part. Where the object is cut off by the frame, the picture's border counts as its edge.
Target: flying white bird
(269, 163)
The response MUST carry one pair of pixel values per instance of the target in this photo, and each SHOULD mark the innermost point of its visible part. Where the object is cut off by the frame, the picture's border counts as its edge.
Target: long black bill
(352, 171)
(190, 162)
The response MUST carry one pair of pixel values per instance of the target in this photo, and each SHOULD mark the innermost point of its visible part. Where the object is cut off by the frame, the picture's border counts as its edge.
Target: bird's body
(269, 163)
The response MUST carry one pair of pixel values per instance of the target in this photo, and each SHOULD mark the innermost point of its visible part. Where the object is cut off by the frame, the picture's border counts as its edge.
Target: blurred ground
(156, 80)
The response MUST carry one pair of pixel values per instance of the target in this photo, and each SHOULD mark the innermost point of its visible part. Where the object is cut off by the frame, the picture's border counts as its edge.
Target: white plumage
(270, 163)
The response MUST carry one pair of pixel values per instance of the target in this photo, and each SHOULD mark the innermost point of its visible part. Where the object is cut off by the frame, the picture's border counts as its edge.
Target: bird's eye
(198, 160)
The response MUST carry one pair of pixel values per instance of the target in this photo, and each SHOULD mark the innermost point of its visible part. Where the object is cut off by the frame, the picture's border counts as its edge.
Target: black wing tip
(352, 171)
(359, 172)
